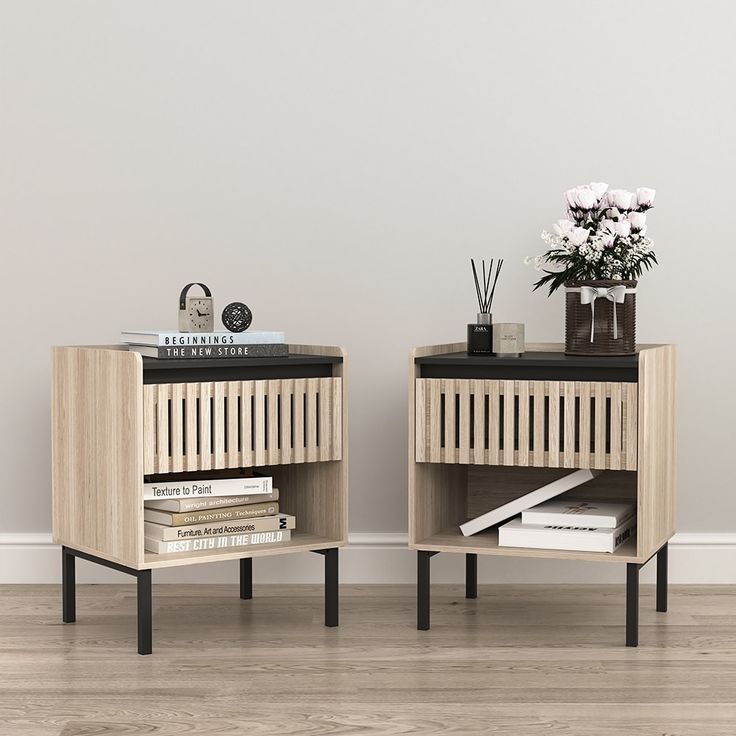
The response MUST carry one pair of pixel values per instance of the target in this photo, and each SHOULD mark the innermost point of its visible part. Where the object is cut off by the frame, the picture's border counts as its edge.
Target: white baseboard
(383, 558)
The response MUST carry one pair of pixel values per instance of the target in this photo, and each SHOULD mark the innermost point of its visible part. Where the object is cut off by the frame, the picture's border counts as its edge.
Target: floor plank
(518, 660)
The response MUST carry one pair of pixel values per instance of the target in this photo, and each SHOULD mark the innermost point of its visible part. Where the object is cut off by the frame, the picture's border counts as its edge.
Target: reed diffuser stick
(486, 292)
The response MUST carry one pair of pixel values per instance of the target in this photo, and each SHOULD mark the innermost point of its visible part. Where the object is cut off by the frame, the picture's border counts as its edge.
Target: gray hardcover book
(184, 352)
(224, 543)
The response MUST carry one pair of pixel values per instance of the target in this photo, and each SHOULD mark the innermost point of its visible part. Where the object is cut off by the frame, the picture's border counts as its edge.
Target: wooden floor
(521, 661)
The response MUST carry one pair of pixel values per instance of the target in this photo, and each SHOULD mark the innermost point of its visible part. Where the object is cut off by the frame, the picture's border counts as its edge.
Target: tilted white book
(512, 508)
(579, 512)
(571, 538)
(166, 338)
(248, 485)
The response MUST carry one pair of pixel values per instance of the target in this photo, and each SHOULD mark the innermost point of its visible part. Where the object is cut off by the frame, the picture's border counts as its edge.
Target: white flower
(563, 227)
(645, 196)
(578, 235)
(623, 228)
(606, 239)
(607, 225)
(599, 187)
(638, 220)
(621, 199)
(571, 197)
(586, 198)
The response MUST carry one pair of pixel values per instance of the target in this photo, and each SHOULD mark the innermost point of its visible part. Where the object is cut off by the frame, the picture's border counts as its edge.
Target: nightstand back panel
(554, 424)
(236, 424)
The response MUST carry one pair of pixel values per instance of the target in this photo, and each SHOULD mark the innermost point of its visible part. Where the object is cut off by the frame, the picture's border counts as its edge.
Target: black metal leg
(145, 624)
(331, 587)
(246, 578)
(68, 587)
(662, 579)
(471, 575)
(632, 604)
(423, 559)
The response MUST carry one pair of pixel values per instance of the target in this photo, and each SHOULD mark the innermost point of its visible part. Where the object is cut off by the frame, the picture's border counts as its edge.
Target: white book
(179, 505)
(207, 544)
(579, 512)
(165, 338)
(573, 538)
(512, 508)
(250, 485)
(165, 533)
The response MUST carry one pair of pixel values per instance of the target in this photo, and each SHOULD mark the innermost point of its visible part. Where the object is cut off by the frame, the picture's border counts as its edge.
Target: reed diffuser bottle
(480, 332)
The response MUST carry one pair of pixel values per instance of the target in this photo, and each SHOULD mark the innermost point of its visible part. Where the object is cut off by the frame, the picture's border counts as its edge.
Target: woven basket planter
(590, 325)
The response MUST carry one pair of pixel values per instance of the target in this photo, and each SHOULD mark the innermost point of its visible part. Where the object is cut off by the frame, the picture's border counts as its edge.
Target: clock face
(200, 315)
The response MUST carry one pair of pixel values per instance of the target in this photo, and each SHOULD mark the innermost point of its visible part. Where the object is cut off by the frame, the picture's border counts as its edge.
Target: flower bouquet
(597, 253)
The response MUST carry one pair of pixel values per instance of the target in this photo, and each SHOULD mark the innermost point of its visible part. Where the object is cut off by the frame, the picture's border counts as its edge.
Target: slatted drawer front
(237, 424)
(566, 424)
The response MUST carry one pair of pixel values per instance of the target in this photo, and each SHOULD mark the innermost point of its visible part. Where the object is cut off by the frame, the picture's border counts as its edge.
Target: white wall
(334, 164)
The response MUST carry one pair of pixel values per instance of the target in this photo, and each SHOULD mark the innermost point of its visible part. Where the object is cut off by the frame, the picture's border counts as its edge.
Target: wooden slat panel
(448, 389)
(584, 457)
(435, 419)
(463, 390)
(205, 426)
(614, 455)
(259, 423)
(599, 392)
(631, 437)
(553, 455)
(420, 420)
(149, 429)
(233, 423)
(177, 427)
(522, 391)
(162, 416)
(494, 427)
(508, 422)
(312, 449)
(247, 453)
(479, 422)
(218, 422)
(191, 459)
(337, 428)
(273, 390)
(325, 418)
(300, 390)
(538, 458)
(287, 393)
(568, 457)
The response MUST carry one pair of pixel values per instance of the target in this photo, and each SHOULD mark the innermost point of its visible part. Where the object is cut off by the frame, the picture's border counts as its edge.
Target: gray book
(165, 533)
(209, 544)
(184, 352)
(200, 504)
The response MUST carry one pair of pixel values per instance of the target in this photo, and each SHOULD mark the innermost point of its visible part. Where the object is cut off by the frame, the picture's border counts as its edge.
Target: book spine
(198, 531)
(173, 339)
(231, 513)
(208, 488)
(182, 352)
(217, 543)
(201, 504)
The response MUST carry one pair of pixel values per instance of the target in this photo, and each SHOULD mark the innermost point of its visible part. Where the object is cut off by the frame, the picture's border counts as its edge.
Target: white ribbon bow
(614, 294)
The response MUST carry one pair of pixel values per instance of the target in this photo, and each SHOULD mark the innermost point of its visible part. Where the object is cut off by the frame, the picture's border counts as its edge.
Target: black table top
(532, 358)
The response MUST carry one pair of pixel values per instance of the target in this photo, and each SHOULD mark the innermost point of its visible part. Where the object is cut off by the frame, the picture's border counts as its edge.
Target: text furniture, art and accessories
(196, 313)
(119, 419)
(484, 431)
(237, 317)
(597, 253)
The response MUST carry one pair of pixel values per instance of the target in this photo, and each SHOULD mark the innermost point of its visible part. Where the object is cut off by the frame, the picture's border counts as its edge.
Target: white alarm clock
(196, 313)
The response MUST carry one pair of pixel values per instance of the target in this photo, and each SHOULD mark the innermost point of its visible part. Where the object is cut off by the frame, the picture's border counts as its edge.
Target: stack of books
(184, 515)
(166, 345)
(567, 524)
